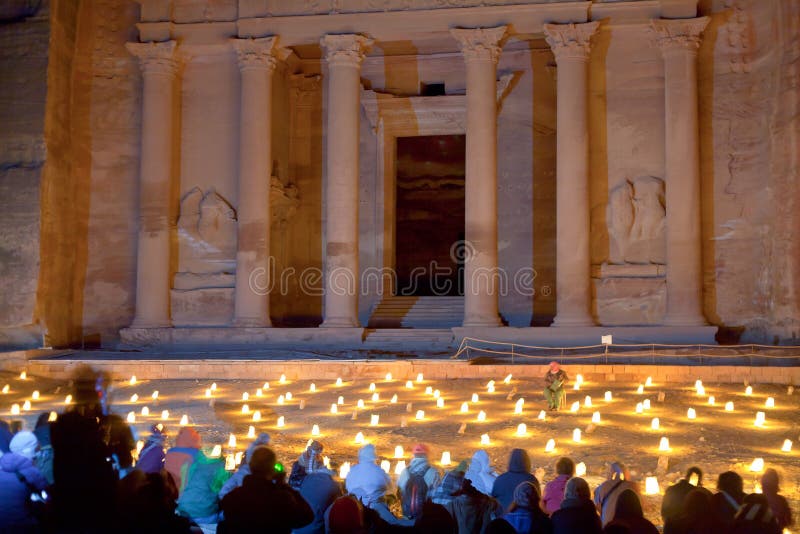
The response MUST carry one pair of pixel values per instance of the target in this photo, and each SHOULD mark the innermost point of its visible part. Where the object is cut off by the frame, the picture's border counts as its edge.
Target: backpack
(415, 494)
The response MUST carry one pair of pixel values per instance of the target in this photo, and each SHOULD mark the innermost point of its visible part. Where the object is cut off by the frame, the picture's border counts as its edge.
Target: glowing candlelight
(712, 400)
(485, 439)
(518, 405)
(596, 417)
(15, 409)
(374, 419)
(649, 381)
(701, 391)
(646, 404)
(698, 384)
(507, 379)
(26, 405)
(6, 389)
(691, 413)
(68, 399)
(344, 470)
(576, 386)
(575, 407)
(639, 407)
(386, 466)
(490, 389)
(259, 392)
(208, 393)
(281, 422)
(376, 397)
(165, 415)
(757, 466)
(663, 444)
(398, 451)
(257, 416)
(360, 403)
(282, 379)
(475, 398)
(419, 378)
(481, 416)
(409, 384)
(216, 452)
(145, 411)
(464, 407)
(53, 416)
(131, 417)
(400, 467)
(550, 446)
(288, 395)
(281, 399)
(522, 430)
(245, 396)
(640, 389)
(334, 409)
(579, 378)
(436, 394)
(429, 390)
(245, 409)
(315, 430)
(608, 396)
(542, 415)
(440, 402)
(445, 458)
(35, 395)
(576, 435)
(655, 424)
(184, 420)
(251, 432)
(372, 386)
(132, 381)
(760, 419)
(154, 395)
(393, 399)
(770, 402)
(24, 376)
(340, 401)
(651, 486)
(265, 386)
(587, 401)
(339, 382)
(232, 441)
(580, 469)
(230, 462)
(490, 384)
(787, 445)
(359, 438)
(420, 415)
(729, 406)
(388, 377)
(748, 391)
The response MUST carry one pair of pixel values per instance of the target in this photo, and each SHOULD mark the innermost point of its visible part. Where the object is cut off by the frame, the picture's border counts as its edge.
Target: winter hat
(577, 488)
(526, 495)
(24, 443)
(262, 440)
(367, 454)
(420, 449)
(345, 515)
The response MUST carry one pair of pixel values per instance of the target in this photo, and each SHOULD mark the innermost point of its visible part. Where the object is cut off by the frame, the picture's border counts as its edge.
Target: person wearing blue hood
(519, 470)
(18, 479)
(372, 485)
(319, 490)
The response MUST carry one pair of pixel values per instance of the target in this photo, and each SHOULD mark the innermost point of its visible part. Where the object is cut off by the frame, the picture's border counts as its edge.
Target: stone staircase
(418, 312)
(431, 339)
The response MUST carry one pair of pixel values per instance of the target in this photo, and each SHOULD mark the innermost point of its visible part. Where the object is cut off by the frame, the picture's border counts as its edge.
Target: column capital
(672, 35)
(345, 49)
(480, 43)
(155, 57)
(570, 41)
(260, 53)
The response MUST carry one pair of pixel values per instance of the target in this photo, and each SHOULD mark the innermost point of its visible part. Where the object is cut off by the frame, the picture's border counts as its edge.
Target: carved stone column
(257, 63)
(159, 66)
(571, 45)
(678, 41)
(481, 49)
(344, 54)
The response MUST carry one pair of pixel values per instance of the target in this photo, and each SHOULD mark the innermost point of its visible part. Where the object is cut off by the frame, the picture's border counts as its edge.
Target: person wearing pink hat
(417, 480)
(554, 381)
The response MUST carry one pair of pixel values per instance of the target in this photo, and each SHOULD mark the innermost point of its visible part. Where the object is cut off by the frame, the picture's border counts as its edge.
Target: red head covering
(554, 366)
(420, 449)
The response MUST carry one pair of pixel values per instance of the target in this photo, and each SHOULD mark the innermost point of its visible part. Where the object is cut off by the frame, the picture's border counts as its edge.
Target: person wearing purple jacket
(151, 459)
(554, 490)
(18, 479)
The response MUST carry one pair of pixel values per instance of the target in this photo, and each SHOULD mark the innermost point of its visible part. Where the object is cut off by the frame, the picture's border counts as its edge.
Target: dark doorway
(430, 215)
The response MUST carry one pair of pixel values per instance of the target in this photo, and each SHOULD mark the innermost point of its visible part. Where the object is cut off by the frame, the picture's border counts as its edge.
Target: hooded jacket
(179, 458)
(628, 513)
(14, 492)
(554, 493)
(577, 512)
(366, 480)
(204, 479)
(480, 472)
(319, 490)
(519, 470)
(244, 468)
(418, 464)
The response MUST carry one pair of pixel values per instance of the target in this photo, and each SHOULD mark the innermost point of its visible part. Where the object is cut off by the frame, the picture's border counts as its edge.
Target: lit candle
(281, 422)
(485, 439)
(757, 466)
(646, 404)
(393, 399)
(388, 377)
(132, 381)
(26, 405)
(400, 467)
(154, 396)
(576, 435)
(490, 389)
(409, 384)
(386, 466)
(344, 470)
(53, 416)
(787, 445)
(640, 389)
(288, 395)
(232, 441)
(429, 390)
(315, 430)
(360, 403)
(6, 389)
(338, 382)
(340, 401)
(245, 409)
(729, 406)
(436, 394)
(575, 407)
(464, 407)
(475, 398)
(518, 406)
(649, 381)
(550, 446)
(35, 395)
(131, 417)
(312, 388)
(701, 391)
(481, 416)
(419, 377)
(376, 397)
(282, 379)
(712, 400)
(522, 430)
(440, 403)
(770, 403)
(230, 462)
(251, 432)
(213, 386)
(334, 409)
(608, 396)
(420, 415)
(579, 378)
(359, 438)
(374, 419)
(245, 396)
(663, 444)
(580, 469)
(445, 458)
(165, 415)
(15, 409)
(398, 451)
(651, 486)
(576, 386)
(655, 424)
(208, 393)
(760, 419)
(542, 415)
(184, 420)
(259, 392)
(281, 399)
(372, 386)
(257, 416)
(507, 379)
(748, 390)
(596, 417)
(145, 411)
(587, 401)
(639, 407)
(691, 414)
(216, 452)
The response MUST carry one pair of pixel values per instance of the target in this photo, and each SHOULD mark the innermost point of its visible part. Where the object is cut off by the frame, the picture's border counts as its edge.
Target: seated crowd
(77, 474)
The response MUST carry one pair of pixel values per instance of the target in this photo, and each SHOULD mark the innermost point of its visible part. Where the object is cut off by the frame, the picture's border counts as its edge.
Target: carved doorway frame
(391, 117)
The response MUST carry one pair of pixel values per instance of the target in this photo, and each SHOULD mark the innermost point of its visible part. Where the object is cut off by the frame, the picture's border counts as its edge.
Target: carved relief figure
(636, 218)
(206, 233)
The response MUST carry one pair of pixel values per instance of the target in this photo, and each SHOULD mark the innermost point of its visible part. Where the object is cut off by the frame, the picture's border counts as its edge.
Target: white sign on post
(606, 340)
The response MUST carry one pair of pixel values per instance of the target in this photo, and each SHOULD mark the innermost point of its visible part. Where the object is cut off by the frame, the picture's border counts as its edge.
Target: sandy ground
(716, 440)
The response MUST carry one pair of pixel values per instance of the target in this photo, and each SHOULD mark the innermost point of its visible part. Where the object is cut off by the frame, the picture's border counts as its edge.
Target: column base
(684, 320)
(573, 320)
(251, 322)
(482, 320)
(340, 322)
(149, 323)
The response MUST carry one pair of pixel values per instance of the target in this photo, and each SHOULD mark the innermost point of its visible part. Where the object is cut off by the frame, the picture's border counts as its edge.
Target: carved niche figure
(206, 233)
(636, 222)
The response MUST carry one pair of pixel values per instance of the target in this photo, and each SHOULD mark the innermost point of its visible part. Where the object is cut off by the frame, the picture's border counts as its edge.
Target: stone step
(418, 312)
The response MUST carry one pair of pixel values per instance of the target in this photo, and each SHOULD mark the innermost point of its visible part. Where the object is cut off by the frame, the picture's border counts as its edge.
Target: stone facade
(629, 163)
